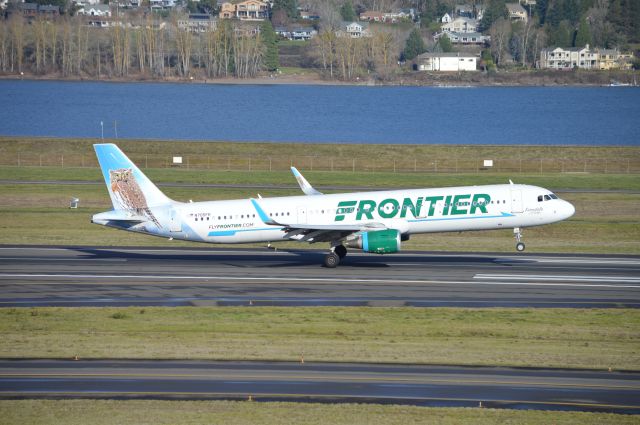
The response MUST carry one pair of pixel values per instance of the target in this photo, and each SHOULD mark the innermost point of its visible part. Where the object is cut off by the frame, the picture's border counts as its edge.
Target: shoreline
(534, 78)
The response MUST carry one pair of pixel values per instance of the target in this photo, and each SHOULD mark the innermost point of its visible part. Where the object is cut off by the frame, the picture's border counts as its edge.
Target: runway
(107, 276)
(324, 382)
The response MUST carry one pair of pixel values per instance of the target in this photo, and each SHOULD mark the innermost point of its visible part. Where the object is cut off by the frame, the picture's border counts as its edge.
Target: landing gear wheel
(332, 260)
(341, 251)
(520, 246)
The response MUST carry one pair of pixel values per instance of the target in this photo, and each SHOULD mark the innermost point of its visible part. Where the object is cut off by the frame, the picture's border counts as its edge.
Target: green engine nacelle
(377, 241)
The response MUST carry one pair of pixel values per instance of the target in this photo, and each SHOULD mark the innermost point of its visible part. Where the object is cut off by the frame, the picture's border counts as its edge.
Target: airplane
(374, 222)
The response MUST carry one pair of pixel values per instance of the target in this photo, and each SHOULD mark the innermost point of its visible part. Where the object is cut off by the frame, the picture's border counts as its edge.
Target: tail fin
(129, 188)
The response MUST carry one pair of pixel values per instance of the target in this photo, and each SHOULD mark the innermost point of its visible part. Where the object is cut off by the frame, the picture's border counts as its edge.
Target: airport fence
(363, 164)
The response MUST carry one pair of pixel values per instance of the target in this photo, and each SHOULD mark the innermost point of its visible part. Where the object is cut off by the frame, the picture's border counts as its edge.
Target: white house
(453, 62)
(101, 10)
(446, 18)
(577, 57)
(465, 38)
(354, 29)
(461, 25)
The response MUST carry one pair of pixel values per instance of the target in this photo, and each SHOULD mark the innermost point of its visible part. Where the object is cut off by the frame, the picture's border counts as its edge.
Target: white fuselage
(410, 211)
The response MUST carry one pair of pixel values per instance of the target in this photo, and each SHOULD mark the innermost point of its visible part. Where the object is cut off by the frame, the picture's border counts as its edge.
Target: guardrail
(317, 163)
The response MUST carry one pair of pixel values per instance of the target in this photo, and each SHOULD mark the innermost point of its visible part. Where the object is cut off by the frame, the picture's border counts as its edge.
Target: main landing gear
(333, 258)
(518, 236)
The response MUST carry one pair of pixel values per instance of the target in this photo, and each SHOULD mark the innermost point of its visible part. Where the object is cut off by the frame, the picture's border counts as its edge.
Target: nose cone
(567, 210)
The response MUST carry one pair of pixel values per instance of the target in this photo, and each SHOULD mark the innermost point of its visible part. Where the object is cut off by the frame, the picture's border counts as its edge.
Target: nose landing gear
(518, 235)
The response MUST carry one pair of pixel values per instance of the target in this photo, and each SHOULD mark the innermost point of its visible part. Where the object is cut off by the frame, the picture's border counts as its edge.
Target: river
(322, 114)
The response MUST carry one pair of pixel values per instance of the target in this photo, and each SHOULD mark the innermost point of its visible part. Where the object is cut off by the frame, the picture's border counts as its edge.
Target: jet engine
(376, 241)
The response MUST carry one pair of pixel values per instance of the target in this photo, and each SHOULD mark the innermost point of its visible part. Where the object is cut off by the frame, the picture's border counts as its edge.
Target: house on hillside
(446, 18)
(309, 16)
(576, 57)
(465, 11)
(461, 25)
(248, 10)
(296, 33)
(516, 12)
(101, 10)
(354, 30)
(198, 23)
(372, 16)
(445, 62)
(464, 38)
(583, 58)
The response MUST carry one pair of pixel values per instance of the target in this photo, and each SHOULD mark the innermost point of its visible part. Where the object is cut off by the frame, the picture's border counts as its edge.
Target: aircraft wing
(316, 232)
(304, 184)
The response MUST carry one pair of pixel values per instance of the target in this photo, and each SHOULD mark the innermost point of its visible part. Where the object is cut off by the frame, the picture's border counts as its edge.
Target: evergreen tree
(495, 10)
(415, 45)
(347, 12)
(445, 43)
(268, 35)
(289, 6)
(583, 36)
(561, 36)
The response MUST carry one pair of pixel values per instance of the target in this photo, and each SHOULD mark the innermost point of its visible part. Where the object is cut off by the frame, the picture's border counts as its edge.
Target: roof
(345, 24)
(200, 16)
(515, 8)
(103, 7)
(445, 55)
(50, 7)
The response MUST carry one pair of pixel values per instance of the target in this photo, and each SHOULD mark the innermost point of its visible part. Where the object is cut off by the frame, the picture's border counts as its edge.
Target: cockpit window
(540, 198)
(552, 196)
(547, 197)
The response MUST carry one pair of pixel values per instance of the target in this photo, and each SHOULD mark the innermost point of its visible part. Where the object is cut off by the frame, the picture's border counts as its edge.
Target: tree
(445, 43)
(289, 6)
(562, 35)
(583, 36)
(347, 12)
(415, 45)
(500, 34)
(270, 60)
(495, 10)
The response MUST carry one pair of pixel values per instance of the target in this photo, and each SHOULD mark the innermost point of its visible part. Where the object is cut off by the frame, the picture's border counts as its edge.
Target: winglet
(262, 214)
(304, 184)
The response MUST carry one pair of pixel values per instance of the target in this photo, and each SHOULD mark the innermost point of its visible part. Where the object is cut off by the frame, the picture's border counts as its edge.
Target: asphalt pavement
(548, 389)
(108, 276)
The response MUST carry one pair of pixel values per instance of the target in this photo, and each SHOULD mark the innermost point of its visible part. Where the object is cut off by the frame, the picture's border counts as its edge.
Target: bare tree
(184, 45)
(16, 29)
(4, 45)
(500, 32)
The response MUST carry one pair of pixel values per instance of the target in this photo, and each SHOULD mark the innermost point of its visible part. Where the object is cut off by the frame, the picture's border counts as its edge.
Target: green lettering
(344, 207)
(365, 208)
(479, 201)
(447, 205)
(408, 205)
(394, 208)
(433, 200)
(457, 200)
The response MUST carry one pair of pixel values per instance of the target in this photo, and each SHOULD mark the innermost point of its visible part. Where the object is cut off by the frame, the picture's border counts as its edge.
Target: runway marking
(570, 278)
(319, 376)
(312, 279)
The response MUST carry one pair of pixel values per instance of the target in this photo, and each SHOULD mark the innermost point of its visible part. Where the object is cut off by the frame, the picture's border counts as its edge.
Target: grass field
(570, 338)
(102, 412)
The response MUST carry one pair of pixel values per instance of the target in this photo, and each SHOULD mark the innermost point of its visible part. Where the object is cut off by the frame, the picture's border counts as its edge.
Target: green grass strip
(568, 338)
